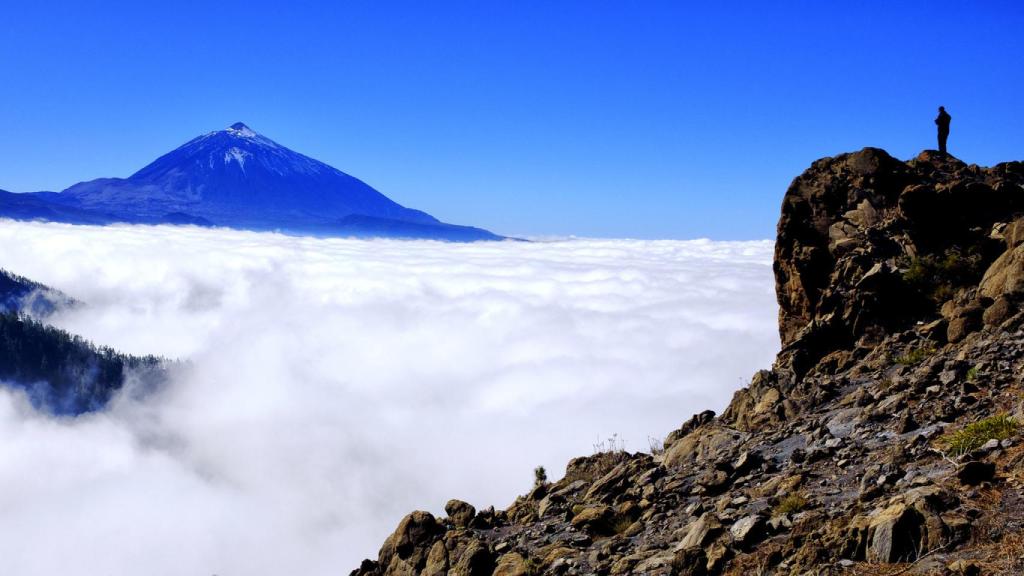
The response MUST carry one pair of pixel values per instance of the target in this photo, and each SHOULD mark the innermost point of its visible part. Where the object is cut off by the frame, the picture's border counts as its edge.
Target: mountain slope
(62, 373)
(236, 178)
(20, 295)
(885, 439)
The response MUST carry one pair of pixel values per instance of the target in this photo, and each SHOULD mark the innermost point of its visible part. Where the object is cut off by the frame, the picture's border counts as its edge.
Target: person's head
(942, 108)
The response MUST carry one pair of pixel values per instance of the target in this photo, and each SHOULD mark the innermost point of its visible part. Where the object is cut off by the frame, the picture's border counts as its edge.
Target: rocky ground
(886, 439)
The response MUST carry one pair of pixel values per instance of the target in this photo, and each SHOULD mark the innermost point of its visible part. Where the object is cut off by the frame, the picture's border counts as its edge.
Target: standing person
(942, 121)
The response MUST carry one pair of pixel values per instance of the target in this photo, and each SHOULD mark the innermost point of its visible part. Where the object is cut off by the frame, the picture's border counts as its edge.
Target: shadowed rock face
(852, 227)
(900, 287)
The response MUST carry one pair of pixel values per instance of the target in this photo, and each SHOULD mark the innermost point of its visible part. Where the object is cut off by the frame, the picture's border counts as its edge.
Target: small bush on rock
(915, 356)
(938, 276)
(540, 476)
(791, 504)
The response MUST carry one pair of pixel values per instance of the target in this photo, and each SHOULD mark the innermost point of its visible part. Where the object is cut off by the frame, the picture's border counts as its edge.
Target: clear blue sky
(626, 119)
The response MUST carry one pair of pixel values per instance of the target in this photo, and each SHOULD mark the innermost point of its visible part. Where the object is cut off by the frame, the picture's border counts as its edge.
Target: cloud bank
(333, 385)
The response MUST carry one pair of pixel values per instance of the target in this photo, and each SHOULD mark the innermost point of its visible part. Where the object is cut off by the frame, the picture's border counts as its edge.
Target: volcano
(238, 178)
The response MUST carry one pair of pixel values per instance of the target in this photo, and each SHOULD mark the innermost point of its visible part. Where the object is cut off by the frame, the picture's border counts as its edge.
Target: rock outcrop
(887, 432)
(854, 229)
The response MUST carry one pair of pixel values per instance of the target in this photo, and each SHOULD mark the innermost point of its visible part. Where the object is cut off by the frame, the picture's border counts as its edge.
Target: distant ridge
(237, 178)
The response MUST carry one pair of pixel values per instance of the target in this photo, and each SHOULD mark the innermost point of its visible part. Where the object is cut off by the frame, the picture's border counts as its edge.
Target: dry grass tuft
(973, 436)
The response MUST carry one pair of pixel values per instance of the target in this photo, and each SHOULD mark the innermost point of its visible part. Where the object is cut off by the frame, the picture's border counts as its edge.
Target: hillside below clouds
(886, 438)
(61, 373)
(240, 179)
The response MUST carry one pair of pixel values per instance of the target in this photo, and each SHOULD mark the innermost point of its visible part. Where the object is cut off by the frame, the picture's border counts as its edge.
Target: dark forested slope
(62, 373)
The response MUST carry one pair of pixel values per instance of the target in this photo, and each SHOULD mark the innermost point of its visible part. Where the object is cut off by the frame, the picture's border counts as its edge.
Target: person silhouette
(942, 121)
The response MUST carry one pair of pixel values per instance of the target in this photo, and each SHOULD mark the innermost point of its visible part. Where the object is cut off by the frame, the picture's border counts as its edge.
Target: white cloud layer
(334, 385)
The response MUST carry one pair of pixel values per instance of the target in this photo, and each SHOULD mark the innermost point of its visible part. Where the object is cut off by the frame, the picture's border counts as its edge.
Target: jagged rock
(610, 486)
(1005, 276)
(974, 473)
(850, 223)
(406, 550)
(757, 405)
(690, 562)
(701, 445)
(459, 512)
(700, 532)
(1013, 233)
(900, 322)
(660, 564)
(713, 480)
(511, 564)
(550, 505)
(475, 560)
(523, 511)
(594, 519)
(486, 518)
(589, 468)
(717, 555)
(907, 424)
(960, 328)
(964, 568)
(895, 534)
(749, 530)
(910, 525)
(437, 560)
(696, 421)
(999, 311)
(746, 462)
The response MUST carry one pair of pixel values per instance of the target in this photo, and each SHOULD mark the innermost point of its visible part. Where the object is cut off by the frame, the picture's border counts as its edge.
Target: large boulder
(475, 560)
(863, 184)
(407, 549)
(511, 564)
(907, 526)
(895, 534)
(703, 445)
(1005, 276)
(460, 513)
(700, 532)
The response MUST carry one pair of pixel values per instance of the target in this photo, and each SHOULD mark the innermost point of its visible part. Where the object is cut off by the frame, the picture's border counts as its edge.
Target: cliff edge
(885, 439)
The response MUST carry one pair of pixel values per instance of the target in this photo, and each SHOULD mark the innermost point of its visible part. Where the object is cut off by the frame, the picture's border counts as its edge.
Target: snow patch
(239, 129)
(238, 155)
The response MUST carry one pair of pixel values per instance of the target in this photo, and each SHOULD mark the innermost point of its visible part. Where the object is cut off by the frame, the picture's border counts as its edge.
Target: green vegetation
(973, 436)
(972, 374)
(791, 504)
(939, 276)
(540, 476)
(915, 356)
(62, 373)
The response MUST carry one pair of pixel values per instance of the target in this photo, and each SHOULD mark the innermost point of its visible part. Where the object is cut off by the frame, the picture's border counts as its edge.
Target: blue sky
(619, 119)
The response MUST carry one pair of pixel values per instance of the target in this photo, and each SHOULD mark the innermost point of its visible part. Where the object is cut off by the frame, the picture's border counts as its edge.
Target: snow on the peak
(239, 129)
(238, 155)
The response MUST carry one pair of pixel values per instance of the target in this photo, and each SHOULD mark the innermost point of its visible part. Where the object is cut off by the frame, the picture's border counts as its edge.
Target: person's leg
(942, 140)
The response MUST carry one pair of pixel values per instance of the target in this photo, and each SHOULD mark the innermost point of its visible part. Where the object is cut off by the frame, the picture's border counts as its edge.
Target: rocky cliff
(884, 440)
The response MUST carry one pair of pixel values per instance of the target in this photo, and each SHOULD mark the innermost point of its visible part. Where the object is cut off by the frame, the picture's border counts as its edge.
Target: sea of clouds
(329, 386)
